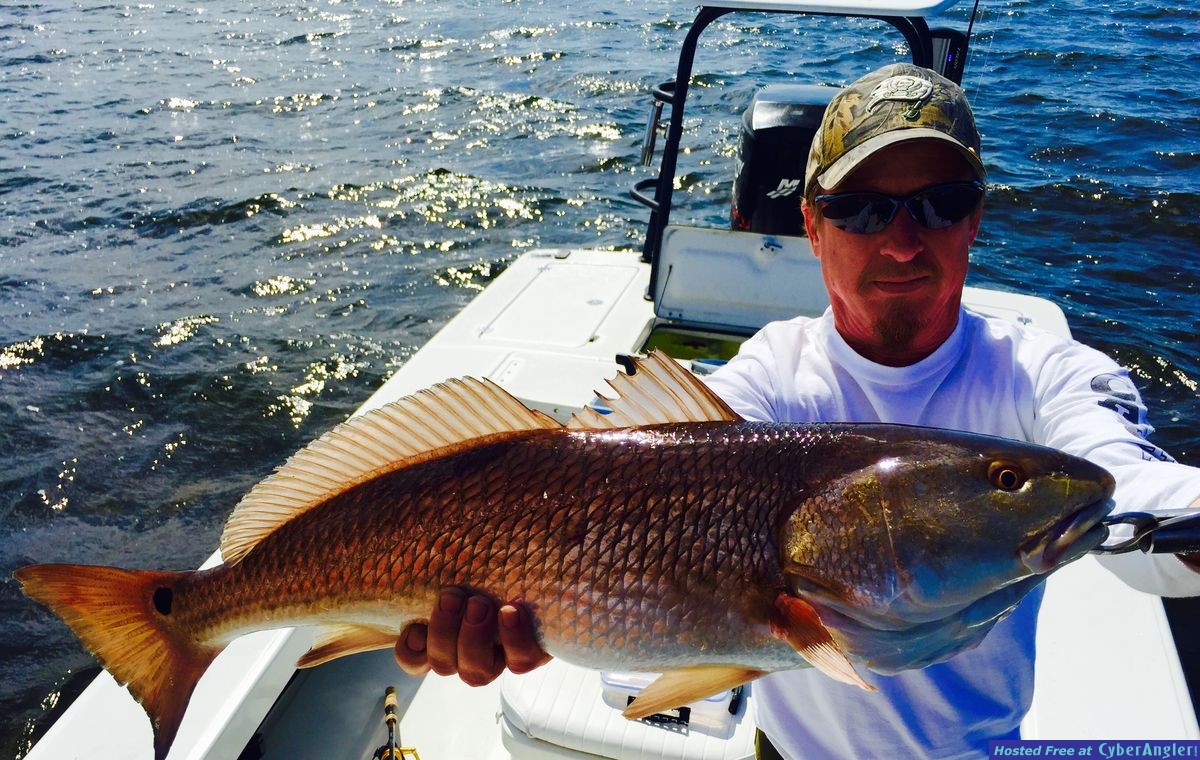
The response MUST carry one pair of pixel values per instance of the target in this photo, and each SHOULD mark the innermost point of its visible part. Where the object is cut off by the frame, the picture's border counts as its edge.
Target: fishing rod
(392, 750)
(1167, 531)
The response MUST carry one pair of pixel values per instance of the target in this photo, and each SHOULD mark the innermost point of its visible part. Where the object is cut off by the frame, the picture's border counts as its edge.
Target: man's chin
(899, 325)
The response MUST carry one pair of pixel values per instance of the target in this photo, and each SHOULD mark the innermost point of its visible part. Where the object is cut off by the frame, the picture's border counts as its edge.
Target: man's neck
(890, 356)
(887, 350)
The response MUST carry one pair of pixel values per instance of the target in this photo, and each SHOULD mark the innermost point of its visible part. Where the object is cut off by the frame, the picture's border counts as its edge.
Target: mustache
(897, 271)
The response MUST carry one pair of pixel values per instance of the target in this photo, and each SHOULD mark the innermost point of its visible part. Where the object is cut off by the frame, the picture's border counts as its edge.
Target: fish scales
(851, 544)
(611, 538)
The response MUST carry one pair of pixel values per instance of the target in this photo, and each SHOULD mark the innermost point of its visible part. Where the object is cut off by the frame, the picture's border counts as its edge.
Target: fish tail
(123, 617)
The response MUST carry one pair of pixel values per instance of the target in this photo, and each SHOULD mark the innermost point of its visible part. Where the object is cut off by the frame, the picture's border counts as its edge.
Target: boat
(1107, 664)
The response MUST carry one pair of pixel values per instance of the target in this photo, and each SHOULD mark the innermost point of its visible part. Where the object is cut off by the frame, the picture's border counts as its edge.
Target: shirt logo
(1121, 397)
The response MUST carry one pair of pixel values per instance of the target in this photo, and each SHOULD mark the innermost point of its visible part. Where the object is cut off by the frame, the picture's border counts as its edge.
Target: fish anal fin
(406, 431)
(338, 641)
(686, 685)
(123, 617)
(659, 392)
(797, 622)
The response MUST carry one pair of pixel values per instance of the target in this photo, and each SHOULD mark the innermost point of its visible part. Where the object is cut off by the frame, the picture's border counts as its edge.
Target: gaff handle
(1176, 535)
(1173, 531)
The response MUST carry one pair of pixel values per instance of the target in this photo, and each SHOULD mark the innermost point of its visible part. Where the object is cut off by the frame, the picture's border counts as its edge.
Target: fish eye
(1006, 476)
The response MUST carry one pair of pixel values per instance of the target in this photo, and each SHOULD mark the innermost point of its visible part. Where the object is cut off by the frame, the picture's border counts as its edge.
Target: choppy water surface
(223, 224)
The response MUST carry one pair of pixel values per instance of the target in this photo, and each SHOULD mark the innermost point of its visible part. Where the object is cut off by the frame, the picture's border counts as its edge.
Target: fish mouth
(1069, 538)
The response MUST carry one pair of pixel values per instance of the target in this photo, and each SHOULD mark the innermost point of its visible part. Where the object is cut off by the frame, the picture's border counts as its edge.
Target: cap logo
(904, 89)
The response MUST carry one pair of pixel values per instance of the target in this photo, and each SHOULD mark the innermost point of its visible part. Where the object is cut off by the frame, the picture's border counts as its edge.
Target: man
(893, 200)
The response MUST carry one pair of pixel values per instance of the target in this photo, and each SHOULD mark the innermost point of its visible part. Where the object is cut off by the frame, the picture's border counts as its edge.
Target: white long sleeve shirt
(993, 377)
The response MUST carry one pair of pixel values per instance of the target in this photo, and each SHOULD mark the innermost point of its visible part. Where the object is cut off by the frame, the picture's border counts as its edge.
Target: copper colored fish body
(648, 547)
(682, 540)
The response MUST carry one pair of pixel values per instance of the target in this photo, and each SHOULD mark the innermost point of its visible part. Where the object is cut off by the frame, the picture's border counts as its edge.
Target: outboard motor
(777, 130)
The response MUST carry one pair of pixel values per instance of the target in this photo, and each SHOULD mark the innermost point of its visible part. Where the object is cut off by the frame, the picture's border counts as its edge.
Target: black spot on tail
(162, 600)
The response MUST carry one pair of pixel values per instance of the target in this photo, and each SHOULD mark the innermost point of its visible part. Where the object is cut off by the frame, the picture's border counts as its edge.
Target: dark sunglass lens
(944, 205)
(860, 213)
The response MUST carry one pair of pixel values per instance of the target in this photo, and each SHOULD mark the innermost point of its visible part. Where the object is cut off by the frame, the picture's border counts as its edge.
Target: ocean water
(223, 224)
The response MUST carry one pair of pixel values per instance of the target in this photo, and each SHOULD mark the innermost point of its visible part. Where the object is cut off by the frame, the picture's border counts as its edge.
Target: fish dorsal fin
(659, 391)
(371, 444)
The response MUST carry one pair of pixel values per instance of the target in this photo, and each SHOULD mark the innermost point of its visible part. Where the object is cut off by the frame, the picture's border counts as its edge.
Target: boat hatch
(735, 282)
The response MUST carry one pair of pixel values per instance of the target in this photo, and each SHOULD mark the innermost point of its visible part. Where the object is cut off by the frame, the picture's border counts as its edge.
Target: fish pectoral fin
(340, 640)
(796, 622)
(680, 687)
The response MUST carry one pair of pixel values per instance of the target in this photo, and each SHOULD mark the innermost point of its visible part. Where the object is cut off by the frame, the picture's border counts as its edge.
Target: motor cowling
(777, 130)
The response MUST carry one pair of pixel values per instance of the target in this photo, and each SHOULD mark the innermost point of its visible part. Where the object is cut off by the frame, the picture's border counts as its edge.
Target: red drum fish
(669, 535)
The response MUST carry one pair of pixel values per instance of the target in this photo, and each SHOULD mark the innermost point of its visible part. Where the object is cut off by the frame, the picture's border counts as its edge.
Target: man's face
(895, 293)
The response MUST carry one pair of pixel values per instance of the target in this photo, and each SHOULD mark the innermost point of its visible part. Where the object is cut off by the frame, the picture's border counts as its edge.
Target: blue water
(223, 224)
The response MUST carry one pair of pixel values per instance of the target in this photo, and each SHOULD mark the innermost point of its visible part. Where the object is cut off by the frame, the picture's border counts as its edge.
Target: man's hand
(467, 635)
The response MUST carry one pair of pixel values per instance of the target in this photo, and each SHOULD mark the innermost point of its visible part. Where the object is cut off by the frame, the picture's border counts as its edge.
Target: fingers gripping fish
(669, 535)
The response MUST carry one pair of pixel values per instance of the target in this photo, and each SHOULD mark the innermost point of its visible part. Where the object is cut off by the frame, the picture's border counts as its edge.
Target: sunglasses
(936, 207)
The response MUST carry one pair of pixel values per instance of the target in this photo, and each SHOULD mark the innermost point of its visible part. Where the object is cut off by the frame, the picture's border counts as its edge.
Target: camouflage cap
(895, 103)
